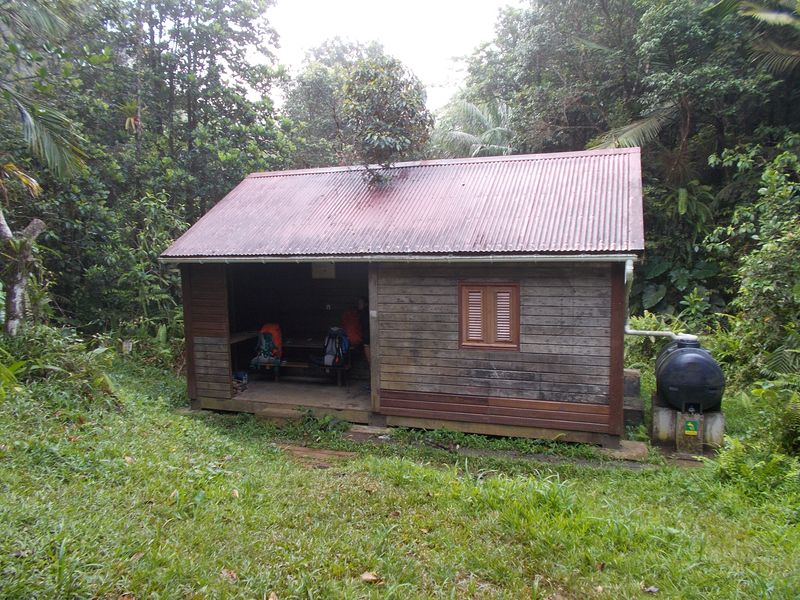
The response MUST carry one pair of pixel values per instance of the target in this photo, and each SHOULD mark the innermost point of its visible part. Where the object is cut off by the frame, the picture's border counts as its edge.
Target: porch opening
(304, 300)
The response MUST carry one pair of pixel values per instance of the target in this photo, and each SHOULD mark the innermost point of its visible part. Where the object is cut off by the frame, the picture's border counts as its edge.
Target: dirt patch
(554, 459)
(628, 450)
(368, 433)
(315, 457)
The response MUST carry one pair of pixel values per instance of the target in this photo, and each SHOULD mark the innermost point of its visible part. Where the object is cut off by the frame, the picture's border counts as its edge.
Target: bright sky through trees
(425, 34)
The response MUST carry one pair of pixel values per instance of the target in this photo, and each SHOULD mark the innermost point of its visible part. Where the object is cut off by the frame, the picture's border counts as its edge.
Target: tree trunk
(18, 251)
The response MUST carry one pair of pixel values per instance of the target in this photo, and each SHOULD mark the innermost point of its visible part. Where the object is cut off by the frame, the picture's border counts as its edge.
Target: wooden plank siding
(564, 375)
(205, 308)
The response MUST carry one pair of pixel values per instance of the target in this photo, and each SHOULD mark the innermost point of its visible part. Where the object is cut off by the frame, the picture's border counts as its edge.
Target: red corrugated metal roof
(570, 202)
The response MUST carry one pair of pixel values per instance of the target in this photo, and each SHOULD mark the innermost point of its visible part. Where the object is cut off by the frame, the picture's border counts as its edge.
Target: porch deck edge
(283, 411)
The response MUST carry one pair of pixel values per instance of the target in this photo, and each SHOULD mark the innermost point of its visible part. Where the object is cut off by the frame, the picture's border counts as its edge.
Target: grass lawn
(144, 502)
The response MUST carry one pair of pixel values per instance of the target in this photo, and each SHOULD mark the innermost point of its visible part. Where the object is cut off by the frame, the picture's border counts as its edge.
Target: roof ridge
(441, 162)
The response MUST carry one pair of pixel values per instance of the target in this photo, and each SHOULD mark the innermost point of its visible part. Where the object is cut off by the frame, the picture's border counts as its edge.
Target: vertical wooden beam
(374, 337)
(233, 314)
(616, 370)
(188, 332)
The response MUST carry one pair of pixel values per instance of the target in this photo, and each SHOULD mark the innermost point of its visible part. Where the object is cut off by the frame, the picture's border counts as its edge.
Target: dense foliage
(356, 104)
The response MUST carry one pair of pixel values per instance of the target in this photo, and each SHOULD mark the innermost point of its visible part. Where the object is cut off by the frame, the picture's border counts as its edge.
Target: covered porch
(293, 397)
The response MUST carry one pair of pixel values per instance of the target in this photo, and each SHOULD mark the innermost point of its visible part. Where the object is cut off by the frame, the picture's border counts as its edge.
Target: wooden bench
(290, 344)
(276, 369)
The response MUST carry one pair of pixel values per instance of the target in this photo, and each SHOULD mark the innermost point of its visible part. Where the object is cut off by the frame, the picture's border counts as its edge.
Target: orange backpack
(277, 339)
(352, 327)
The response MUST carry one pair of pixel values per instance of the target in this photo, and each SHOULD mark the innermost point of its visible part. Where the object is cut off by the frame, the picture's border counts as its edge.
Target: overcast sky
(427, 35)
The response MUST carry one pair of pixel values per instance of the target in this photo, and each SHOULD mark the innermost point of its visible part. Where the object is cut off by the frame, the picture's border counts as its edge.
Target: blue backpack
(336, 348)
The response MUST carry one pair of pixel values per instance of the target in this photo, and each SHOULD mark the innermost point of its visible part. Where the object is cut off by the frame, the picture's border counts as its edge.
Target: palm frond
(723, 8)
(500, 136)
(492, 150)
(768, 15)
(48, 133)
(34, 16)
(784, 360)
(589, 44)
(640, 132)
(468, 129)
(453, 143)
(10, 170)
(756, 10)
(469, 116)
(776, 58)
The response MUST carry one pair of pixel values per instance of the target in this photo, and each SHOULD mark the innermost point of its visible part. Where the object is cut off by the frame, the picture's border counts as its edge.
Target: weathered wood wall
(205, 311)
(561, 377)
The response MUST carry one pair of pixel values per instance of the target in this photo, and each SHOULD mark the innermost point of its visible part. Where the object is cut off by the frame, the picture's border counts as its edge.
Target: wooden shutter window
(489, 315)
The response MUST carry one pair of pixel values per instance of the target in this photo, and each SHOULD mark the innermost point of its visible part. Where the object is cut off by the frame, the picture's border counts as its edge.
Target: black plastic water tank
(687, 375)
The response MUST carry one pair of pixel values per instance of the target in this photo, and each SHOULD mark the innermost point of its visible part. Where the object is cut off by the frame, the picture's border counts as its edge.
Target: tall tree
(568, 70)
(314, 103)
(190, 79)
(354, 103)
(173, 99)
(28, 30)
(384, 112)
(467, 129)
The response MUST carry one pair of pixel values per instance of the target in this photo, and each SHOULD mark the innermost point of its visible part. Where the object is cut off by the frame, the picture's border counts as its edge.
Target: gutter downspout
(629, 331)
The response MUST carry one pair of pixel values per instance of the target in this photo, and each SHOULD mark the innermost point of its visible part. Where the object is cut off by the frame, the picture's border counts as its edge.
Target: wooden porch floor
(288, 399)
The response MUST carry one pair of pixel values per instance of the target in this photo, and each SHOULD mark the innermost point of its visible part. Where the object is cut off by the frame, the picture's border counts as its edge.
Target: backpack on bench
(269, 347)
(336, 349)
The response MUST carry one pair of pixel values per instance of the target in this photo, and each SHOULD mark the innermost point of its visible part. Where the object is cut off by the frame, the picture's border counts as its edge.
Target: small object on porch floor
(240, 380)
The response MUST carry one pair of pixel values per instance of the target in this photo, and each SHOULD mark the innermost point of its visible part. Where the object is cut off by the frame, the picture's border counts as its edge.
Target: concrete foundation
(663, 425)
(671, 427)
(714, 429)
(632, 402)
(688, 433)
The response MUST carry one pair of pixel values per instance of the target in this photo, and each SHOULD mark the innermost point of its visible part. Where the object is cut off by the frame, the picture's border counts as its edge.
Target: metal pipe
(643, 332)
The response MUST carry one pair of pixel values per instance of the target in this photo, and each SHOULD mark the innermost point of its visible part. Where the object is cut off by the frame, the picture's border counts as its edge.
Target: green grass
(153, 503)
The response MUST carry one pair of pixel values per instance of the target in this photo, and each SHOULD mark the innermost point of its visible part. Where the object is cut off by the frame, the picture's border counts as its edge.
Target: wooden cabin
(495, 288)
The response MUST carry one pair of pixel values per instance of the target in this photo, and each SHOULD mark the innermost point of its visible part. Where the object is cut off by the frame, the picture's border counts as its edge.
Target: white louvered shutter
(474, 316)
(504, 316)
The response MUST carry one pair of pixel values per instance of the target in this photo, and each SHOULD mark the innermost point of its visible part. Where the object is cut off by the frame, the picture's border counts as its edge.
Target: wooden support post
(374, 337)
(188, 326)
(617, 330)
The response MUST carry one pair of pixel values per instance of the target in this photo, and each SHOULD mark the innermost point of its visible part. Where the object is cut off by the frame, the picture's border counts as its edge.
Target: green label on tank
(691, 427)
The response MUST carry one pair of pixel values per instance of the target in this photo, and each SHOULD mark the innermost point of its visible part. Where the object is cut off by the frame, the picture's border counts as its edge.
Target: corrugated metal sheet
(572, 202)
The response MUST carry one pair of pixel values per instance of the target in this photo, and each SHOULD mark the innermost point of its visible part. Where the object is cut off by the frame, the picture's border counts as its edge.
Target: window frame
(489, 315)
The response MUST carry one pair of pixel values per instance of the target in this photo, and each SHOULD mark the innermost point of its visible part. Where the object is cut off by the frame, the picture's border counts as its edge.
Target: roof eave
(634, 255)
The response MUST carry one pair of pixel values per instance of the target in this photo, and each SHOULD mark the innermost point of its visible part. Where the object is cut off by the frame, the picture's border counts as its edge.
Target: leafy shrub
(10, 368)
(62, 359)
(767, 458)
(779, 416)
(757, 467)
(157, 342)
(762, 242)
